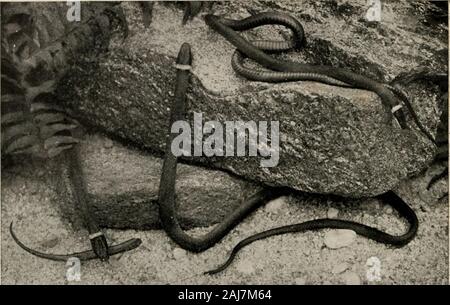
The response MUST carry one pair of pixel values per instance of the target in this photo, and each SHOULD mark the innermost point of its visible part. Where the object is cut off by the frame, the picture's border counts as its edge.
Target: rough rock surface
(337, 139)
(123, 188)
(30, 199)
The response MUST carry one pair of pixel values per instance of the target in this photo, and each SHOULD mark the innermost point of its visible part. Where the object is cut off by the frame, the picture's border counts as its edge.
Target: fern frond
(39, 45)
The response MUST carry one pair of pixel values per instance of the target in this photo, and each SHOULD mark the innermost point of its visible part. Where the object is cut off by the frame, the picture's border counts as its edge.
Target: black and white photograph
(224, 143)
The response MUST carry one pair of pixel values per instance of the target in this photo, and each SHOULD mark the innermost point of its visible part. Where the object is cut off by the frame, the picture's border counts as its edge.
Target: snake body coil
(282, 71)
(167, 201)
(167, 195)
(372, 233)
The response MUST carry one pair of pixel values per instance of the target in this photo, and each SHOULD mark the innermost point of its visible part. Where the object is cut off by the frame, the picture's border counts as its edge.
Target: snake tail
(372, 233)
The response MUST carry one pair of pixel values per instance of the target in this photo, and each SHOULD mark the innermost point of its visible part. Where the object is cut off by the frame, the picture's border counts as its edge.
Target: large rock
(333, 140)
(123, 186)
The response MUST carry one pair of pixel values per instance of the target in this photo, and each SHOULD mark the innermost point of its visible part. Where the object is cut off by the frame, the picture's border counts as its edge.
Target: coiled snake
(283, 71)
(167, 195)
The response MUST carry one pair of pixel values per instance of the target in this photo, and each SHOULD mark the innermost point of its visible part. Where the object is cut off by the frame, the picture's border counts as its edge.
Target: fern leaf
(60, 140)
(38, 46)
(21, 144)
(54, 151)
(48, 131)
(12, 117)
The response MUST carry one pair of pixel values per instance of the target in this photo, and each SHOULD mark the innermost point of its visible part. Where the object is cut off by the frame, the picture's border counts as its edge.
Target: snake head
(147, 11)
(191, 9)
(100, 247)
(184, 55)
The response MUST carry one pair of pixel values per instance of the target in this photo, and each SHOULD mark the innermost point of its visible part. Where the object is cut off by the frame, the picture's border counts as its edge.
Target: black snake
(99, 246)
(283, 71)
(167, 195)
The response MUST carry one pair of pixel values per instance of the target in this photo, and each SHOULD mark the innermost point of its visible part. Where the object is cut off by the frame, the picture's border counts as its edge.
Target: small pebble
(275, 205)
(179, 253)
(351, 278)
(339, 268)
(388, 210)
(50, 243)
(340, 238)
(143, 279)
(108, 143)
(300, 281)
(424, 208)
(332, 213)
(245, 267)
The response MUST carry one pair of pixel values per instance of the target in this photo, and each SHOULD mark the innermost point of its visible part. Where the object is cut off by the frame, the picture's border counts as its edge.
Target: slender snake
(167, 195)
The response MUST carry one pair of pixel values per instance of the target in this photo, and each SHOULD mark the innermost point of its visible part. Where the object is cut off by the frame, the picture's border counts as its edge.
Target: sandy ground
(30, 200)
